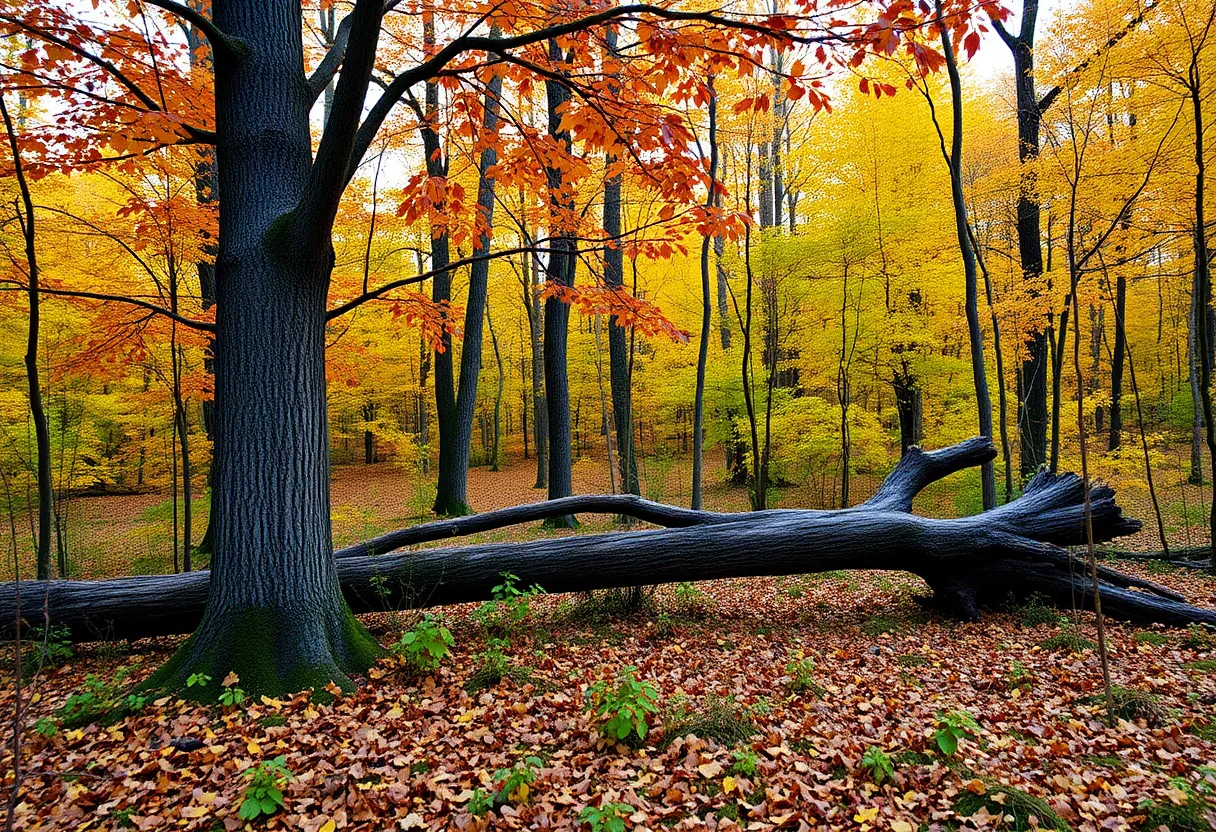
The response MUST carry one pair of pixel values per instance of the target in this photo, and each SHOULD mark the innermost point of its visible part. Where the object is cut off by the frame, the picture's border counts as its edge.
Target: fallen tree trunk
(970, 563)
(1185, 557)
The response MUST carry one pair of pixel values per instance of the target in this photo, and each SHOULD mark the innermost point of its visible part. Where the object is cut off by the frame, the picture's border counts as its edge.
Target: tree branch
(221, 43)
(328, 68)
(469, 43)
(1050, 96)
(318, 206)
(203, 326)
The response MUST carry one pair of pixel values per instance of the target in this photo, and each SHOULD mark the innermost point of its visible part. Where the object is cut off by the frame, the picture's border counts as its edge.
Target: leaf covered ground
(777, 701)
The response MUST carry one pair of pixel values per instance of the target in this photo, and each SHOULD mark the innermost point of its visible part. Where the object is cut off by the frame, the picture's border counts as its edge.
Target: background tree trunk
(42, 434)
(562, 264)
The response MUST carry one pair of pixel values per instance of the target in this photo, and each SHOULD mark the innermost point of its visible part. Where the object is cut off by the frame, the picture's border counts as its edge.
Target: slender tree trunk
(495, 462)
(562, 263)
(1032, 388)
(42, 434)
(1002, 397)
(1194, 357)
(1118, 356)
(1204, 282)
(540, 411)
(618, 345)
(975, 333)
(451, 498)
(275, 614)
(698, 422)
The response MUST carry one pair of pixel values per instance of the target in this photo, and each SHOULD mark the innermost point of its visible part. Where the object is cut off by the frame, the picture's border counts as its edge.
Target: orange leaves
(434, 198)
(614, 302)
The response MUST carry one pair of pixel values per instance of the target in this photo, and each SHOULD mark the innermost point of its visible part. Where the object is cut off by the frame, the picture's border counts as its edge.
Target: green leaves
(607, 817)
(264, 794)
(878, 765)
(622, 710)
(952, 727)
(427, 645)
(514, 782)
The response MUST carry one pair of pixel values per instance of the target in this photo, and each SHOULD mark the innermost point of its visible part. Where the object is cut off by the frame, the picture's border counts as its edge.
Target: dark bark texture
(971, 563)
(274, 613)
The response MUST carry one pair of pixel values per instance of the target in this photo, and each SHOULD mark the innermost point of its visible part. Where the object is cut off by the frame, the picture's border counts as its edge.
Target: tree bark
(562, 263)
(954, 159)
(618, 344)
(451, 498)
(698, 421)
(970, 563)
(1032, 387)
(274, 612)
(1118, 357)
(42, 434)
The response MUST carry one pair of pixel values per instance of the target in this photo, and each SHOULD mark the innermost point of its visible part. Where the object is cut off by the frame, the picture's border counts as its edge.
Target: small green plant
(1132, 704)
(264, 794)
(123, 817)
(1155, 639)
(876, 625)
(912, 660)
(718, 718)
(1035, 613)
(1190, 814)
(607, 817)
(1068, 639)
(99, 700)
(802, 679)
(273, 721)
(231, 696)
(46, 727)
(1197, 638)
(689, 598)
(1202, 665)
(514, 783)
(747, 763)
(510, 606)
(493, 666)
(622, 707)
(425, 646)
(49, 647)
(197, 680)
(952, 727)
(877, 763)
(480, 803)
(1019, 678)
(1022, 812)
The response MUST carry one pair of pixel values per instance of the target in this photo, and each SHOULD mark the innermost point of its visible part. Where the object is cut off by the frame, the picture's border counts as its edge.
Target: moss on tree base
(272, 651)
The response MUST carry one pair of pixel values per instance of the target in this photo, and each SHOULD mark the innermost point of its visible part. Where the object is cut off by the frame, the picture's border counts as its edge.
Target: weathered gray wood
(970, 562)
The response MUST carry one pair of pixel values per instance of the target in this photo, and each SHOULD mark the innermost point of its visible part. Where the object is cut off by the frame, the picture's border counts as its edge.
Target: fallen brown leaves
(409, 754)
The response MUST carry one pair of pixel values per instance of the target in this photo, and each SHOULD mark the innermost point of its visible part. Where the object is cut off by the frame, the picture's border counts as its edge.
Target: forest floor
(769, 694)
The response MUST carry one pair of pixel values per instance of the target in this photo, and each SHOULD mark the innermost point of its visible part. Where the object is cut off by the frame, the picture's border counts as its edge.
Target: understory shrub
(424, 647)
(622, 707)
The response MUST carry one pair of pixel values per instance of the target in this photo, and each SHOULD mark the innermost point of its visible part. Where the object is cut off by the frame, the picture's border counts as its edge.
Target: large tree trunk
(970, 563)
(274, 614)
